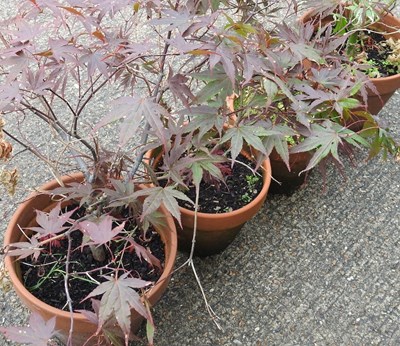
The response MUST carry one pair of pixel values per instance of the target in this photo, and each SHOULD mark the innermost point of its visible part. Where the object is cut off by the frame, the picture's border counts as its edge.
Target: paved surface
(315, 268)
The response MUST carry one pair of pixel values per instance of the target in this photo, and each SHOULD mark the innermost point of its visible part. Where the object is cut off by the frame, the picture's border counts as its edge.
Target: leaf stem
(69, 300)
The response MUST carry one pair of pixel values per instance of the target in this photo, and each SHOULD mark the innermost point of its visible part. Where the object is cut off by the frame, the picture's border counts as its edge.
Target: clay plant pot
(83, 329)
(216, 231)
(385, 86)
(283, 180)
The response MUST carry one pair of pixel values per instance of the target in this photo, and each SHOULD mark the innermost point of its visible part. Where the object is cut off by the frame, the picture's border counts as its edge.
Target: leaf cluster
(206, 80)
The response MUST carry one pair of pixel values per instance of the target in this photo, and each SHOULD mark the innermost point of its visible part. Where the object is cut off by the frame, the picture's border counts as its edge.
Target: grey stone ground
(315, 268)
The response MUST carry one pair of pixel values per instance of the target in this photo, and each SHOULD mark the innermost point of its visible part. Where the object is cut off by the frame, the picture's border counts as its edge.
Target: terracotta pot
(285, 181)
(385, 86)
(83, 329)
(216, 231)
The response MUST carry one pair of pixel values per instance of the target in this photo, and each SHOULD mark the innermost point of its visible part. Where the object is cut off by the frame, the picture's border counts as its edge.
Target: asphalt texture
(319, 267)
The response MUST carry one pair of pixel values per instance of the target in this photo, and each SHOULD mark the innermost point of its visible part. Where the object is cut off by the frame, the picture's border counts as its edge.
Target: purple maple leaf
(25, 31)
(132, 109)
(142, 252)
(37, 333)
(102, 232)
(110, 330)
(53, 222)
(118, 298)
(24, 249)
(178, 87)
(95, 61)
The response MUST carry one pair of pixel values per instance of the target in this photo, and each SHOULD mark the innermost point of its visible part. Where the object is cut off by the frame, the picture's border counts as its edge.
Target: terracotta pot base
(288, 182)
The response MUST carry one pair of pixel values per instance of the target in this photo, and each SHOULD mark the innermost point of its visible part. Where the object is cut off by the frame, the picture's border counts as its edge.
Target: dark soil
(378, 51)
(234, 194)
(45, 280)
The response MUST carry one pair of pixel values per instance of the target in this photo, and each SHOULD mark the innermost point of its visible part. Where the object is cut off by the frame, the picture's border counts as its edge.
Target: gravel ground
(316, 268)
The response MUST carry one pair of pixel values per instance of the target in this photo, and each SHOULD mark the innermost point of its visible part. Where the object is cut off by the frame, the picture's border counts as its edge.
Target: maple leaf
(303, 50)
(52, 222)
(109, 330)
(182, 45)
(225, 57)
(63, 50)
(19, 63)
(218, 84)
(95, 61)
(24, 249)
(178, 87)
(142, 252)
(250, 134)
(38, 333)
(74, 191)
(121, 190)
(277, 139)
(207, 163)
(162, 195)
(325, 140)
(37, 81)
(180, 20)
(102, 232)
(132, 109)
(118, 298)
(252, 63)
(156, 219)
(204, 119)
(25, 31)
(328, 77)
(9, 94)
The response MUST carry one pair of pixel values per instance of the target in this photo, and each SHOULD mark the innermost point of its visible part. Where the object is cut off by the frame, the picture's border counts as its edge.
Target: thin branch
(64, 100)
(157, 97)
(86, 91)
(27, 147)
(74, 133)
(69, 300)
(190, 263)
(63, 133)
(54, 119)
(94, 91)
(210, 310)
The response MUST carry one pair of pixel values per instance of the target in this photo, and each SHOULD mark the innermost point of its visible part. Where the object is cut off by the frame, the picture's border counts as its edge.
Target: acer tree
(171, 65)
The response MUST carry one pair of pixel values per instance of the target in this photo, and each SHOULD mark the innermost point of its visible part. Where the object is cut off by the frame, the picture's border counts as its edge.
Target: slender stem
(36, 111)
(74, 133)
(210, 310)
(94, 91)
(65, 101)
(157, 96)
(63, 133)
(69, 300)
(27, 147)
(190, 263)
(86, 91)
(196, 207)
(139, 158)
(201, 63)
